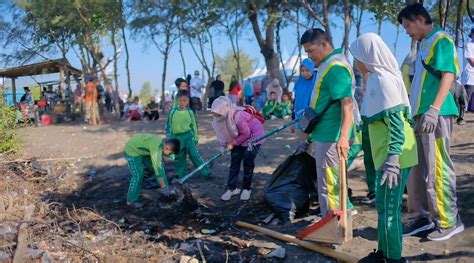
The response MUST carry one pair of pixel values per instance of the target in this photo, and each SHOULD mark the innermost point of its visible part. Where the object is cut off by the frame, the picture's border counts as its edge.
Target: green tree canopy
(227, 65)
(145, 92)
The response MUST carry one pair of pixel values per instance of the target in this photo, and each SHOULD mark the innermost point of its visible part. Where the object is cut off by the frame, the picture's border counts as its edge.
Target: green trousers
(370, 173)
(389, 211)
(136, 164)
(188, 147)
(363, 144)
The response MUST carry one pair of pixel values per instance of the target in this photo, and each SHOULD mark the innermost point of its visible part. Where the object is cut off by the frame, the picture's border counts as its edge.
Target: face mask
(170, 157)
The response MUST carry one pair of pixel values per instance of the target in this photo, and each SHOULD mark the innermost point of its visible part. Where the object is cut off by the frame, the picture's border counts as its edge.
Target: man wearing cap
(468, 74)
(197, 84)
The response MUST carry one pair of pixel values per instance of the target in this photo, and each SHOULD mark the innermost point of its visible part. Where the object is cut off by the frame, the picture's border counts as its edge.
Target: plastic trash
(277, 253)
(288, 190)
(208, 231)
(92, 174)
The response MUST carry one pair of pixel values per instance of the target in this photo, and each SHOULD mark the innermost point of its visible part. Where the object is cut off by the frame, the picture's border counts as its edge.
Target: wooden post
(14, 90)
(68, 81)
(61, 82)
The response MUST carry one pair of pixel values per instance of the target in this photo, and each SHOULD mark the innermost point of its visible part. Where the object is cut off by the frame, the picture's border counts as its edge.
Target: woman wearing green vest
(386, 111)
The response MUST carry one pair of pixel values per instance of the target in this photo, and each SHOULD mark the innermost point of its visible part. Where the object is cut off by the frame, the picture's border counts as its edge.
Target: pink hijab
(225, 128)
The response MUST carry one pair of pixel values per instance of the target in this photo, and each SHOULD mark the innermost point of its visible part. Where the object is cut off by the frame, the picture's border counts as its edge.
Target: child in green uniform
(286, 106)
(181, 125)
(386, 112)
(147, 150)
(181, 84)
(272, 107)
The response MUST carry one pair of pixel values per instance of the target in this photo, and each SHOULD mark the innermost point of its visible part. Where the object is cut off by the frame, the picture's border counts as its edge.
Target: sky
(146, 62)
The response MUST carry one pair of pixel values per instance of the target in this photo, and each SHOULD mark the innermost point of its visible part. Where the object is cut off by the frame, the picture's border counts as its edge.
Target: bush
(9, 142)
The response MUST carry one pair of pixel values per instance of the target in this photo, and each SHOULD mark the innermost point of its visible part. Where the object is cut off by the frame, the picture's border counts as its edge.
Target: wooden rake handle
(343, 195)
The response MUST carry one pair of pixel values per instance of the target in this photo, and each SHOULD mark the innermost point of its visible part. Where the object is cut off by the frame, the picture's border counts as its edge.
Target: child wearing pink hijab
(235, 128)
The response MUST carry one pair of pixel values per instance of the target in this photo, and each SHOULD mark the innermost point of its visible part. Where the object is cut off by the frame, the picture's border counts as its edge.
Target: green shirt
(439, 52)
(286, 107)
(334, 84)
(271, 106)
(182, 121)
(151, 145)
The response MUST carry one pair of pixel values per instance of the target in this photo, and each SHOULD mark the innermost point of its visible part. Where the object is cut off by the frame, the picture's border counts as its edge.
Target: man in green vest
(332, 93)
(432, 183)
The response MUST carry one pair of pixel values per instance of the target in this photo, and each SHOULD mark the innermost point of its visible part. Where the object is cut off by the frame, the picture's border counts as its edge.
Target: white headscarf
(225, 128)
(274, 86)
(385, 88)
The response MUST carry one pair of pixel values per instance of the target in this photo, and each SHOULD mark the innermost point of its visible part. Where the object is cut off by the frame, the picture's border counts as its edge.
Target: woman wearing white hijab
(274, 86)
(386, 109)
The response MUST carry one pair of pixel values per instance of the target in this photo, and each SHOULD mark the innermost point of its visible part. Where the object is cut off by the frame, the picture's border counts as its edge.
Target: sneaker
(245, 195)
(446, 233)
(461, 122)
(369, 199)
(373, 257)
(416, 226)
(229, 193)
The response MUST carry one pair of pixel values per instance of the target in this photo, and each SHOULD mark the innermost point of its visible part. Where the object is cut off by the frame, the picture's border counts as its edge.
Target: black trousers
(238, 155)
(152, 116)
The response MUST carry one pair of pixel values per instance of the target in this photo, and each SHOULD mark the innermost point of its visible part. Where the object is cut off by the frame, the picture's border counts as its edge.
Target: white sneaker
(228, 194)
(245, 195)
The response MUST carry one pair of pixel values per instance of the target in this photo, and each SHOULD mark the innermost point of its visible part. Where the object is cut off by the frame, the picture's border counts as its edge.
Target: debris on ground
(277, 253)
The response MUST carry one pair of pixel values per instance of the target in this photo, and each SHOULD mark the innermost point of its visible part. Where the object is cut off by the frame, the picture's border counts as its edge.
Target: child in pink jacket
(235, 129)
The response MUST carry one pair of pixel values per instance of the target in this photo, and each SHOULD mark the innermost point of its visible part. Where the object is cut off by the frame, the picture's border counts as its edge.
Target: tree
(270, 10)
(384, 10)
(469, 12)
(233, 21)
(459, 23)
(198, 21)
(125, 45)
(228, 66)
(21, 38)
(347, 25)
(314, 9)
(360, 6)
(145, 92)
(155, 18)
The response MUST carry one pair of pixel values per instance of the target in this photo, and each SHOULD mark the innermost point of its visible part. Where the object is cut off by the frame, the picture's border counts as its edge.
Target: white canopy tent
(289, 65)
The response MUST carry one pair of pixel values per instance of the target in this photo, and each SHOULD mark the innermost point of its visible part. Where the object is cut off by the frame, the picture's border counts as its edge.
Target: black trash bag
(289, 189)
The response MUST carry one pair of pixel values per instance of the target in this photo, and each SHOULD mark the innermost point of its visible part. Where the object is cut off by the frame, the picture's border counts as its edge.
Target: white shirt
(468, 74)
(196, 87)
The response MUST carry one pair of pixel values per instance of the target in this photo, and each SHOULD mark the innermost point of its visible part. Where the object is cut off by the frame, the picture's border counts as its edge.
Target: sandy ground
(100, 149)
